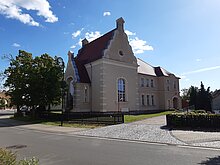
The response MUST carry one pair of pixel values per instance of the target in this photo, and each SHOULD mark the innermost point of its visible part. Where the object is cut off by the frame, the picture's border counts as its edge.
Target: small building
(105, 76)
(216, 101)
(4, 100)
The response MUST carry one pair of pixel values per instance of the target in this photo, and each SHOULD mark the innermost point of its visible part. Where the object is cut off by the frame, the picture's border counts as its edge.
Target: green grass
(132, 118)
(30, 120)
(69, 124)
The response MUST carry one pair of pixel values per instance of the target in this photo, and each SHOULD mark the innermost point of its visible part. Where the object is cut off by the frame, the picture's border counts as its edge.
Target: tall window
(152, 83)
(174, 85)
(86, 99)
(148, 100)
(142, 82)
(147, 82)
(142, 100)
(121, 90)
(152, 99)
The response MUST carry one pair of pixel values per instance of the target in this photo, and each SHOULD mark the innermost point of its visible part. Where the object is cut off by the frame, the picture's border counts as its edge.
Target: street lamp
(61, 64)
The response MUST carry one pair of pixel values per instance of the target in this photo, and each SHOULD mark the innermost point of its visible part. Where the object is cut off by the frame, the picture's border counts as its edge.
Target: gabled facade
(105, 76)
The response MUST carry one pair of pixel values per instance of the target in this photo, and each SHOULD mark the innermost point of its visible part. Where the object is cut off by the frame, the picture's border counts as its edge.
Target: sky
(182, 36)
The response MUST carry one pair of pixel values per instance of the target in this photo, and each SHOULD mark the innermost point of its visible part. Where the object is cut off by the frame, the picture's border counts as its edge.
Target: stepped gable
(91, 52)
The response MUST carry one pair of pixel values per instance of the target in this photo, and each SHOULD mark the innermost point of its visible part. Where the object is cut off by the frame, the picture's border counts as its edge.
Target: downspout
(91, 87)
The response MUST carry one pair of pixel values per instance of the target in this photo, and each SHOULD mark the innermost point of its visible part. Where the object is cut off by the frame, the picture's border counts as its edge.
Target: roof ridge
(101, 36)
(145, 62)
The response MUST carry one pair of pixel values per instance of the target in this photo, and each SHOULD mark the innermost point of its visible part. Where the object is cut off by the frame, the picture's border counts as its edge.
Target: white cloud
(202, 70)
(14, 9)
(198, 59)
(138, 46)
(73, 46)
(77, 33)
(16, 45)
(129, 33)
(90, 36)
(106, 13)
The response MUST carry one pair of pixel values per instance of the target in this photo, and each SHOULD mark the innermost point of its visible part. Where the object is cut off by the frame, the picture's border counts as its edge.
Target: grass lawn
(56, 123)
(75, 125)
(132, 118)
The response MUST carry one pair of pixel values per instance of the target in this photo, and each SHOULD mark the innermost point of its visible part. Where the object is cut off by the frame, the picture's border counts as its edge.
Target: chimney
(70, 55)
(84, 42)
(120, 24)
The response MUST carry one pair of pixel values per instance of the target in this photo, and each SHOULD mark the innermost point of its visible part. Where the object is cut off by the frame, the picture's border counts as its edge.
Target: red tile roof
(94, 50)
(91, 52)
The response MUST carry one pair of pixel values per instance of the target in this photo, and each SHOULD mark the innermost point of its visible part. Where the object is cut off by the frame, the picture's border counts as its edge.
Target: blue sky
(182, 36)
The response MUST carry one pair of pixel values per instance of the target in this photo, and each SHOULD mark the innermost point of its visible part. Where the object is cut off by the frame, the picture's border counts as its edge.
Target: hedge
(193, 120)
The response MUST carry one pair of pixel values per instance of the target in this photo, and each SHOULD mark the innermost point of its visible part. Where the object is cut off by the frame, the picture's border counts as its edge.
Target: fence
(84, 117)
(193, 121)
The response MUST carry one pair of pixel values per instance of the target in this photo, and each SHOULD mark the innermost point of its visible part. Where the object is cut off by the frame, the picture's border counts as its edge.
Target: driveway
(150, 130)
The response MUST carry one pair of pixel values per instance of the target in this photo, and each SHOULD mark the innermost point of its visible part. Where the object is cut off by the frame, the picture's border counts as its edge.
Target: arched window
(121, 90)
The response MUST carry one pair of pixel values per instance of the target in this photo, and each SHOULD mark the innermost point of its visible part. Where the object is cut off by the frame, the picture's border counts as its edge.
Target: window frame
(121, 89)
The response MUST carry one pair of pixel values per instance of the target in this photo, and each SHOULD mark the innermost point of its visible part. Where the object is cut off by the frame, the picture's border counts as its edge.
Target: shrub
(193, 120)
(9, 158)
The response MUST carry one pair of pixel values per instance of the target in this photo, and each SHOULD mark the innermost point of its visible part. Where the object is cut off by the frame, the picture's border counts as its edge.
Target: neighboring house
(4, 100)
(105, 76)
(216, 101)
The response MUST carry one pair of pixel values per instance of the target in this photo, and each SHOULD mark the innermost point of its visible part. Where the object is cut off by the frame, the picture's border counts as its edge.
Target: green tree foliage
(33, 81)
(200, 98)
(2, 102)
(193, 93)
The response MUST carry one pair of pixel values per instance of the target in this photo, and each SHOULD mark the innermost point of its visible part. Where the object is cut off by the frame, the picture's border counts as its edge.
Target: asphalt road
(65, 149)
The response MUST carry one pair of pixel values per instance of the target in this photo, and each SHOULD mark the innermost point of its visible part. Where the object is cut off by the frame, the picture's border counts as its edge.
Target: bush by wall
(193, 120)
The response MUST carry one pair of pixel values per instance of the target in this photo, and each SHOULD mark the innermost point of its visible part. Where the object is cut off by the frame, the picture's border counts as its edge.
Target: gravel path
(146, 130)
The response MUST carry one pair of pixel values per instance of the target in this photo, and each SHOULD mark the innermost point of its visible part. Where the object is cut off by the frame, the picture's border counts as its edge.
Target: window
(142, 100)
(152, 83)
(169, 104)
(86, 99)
(121, 90)
(148, 100)
(147, 82)
(174, 85)
(152, 99)
(142, 82)
(121, 52)
(168, 81)
(168, 88)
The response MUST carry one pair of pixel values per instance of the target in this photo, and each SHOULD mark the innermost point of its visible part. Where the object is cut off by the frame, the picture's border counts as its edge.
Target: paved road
(60, 149)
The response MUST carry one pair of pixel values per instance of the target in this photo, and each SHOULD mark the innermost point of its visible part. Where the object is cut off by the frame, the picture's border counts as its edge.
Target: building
(4, 100)
(105, 76)
(216, 101)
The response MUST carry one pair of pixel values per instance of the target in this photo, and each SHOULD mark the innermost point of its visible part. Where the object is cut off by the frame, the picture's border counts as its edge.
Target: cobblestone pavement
(146, 130)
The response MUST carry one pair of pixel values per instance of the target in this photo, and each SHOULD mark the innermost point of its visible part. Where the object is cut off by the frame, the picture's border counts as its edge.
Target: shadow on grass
(211, 161)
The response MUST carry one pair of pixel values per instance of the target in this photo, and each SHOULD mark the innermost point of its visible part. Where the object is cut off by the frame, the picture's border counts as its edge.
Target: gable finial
(120, 24)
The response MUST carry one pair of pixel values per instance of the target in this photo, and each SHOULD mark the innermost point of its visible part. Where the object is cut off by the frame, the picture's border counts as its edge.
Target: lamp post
(61, 64)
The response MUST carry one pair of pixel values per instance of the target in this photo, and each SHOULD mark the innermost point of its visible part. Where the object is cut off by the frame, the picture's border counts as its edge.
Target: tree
(185, 94)
(200, 98)
(204, 98)
(193, 96)
(33, 81)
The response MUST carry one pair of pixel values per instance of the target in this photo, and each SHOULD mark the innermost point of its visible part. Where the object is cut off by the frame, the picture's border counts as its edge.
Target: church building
(105, 76)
